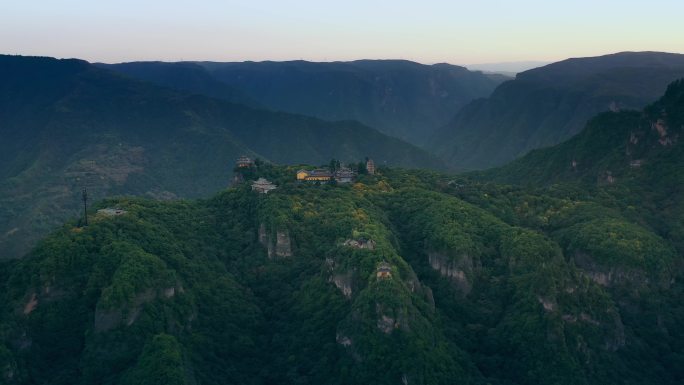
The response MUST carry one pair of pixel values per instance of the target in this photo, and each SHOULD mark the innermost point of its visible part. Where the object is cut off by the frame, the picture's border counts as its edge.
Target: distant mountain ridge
(546, 105)
(622, 144)
(400, 98)
(184, 76)
(507, 68)
(571, 274)
(67, 124)
(635, 157)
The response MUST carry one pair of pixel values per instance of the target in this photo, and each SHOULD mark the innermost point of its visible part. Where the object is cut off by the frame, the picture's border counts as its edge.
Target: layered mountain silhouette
(547, 105)
(562, 267)
(67, 124)
(624, 144)
(400, 98)
(635, 156)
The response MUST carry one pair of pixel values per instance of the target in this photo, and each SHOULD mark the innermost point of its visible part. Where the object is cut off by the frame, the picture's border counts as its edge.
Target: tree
(361, 168)
(334, 165)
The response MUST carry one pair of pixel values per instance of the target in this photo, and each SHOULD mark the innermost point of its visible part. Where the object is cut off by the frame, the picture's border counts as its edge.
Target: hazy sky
(428, 31)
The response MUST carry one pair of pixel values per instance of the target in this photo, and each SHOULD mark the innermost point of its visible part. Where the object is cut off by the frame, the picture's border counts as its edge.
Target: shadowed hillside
(67, 125)
(403, 273)
(400, 98)
(547, 105)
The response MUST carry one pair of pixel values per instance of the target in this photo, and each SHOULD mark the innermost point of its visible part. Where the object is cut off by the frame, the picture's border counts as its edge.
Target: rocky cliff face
(108, 319)
(456, 270)
(390, 319)
(609, 276)
(550, 104)
(343, 281)
(281, 248)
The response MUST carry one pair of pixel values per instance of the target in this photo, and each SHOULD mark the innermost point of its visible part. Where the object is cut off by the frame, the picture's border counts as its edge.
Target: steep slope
(383, 282)
(400, 98)
(626, 144)
(635, 157)
(547, 105)
(68, 125)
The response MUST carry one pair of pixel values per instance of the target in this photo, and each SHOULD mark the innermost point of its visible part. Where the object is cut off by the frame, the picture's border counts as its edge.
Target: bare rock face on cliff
(457, 270)
(547, 105)
(281, 248)
(127, 314)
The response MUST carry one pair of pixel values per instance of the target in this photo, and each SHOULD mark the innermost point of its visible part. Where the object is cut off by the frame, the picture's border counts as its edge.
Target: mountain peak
(549, 104)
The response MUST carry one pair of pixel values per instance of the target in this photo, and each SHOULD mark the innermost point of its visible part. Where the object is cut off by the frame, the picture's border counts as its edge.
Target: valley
(233, 237)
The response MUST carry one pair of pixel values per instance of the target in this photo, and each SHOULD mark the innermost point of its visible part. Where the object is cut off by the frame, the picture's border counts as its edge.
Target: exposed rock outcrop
(263, 236)
(343, 282)
(343, 340)
(31, 304)
(108, 319)
(281, 248)
(387, 324)
(606, 177)
(361, 243)
(547, 304)
(46, 294)
(613, 276)
(664, 137)
(456, 270)
(609, 276)
(391, 319)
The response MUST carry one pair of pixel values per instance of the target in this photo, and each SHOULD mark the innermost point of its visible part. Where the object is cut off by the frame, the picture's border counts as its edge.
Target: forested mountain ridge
(571, 274)
(414, 275)
(547, 105)
(633, 157)
(66, 124)
(400, 98)
(622, 144)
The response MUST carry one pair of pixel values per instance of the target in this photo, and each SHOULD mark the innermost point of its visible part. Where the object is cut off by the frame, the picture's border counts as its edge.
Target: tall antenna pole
(85, 205)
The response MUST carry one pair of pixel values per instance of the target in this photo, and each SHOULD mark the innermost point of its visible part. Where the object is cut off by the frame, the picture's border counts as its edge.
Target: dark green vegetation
(547, 105)
(488, 284)
(574, 275)
(631, 159)
(400, 98)
(66, 124)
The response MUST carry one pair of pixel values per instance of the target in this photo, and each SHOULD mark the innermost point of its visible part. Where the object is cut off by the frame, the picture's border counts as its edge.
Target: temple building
(384, 270)
(344, 175)
(263, 186)
(370, 166)
(318, 175)
(244, 162)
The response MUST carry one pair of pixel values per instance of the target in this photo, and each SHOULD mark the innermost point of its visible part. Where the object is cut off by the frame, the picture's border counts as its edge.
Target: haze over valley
(312, 193)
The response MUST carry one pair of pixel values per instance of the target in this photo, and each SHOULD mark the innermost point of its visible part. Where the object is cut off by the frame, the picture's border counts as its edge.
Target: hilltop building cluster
(343, 175)
(245, 164)
(339, 174)
(335, 173)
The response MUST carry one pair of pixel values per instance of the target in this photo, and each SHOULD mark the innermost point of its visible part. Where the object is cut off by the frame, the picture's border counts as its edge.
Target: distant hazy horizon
(456, 32)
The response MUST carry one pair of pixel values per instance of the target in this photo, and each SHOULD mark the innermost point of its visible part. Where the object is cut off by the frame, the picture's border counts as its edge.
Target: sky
(426, 31)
